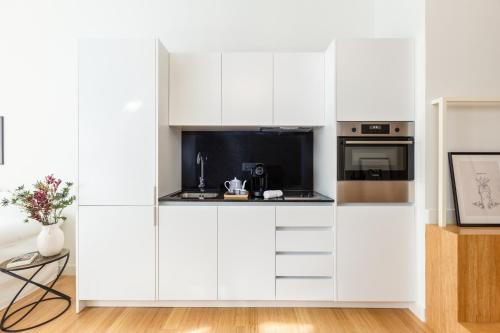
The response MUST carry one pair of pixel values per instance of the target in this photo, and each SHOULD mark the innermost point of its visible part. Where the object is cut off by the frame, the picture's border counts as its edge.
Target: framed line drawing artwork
(475, 179)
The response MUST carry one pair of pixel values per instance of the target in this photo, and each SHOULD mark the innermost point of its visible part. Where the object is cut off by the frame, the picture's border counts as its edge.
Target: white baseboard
(70, 270)
(418, 310)
(237, 304)
(432, 216)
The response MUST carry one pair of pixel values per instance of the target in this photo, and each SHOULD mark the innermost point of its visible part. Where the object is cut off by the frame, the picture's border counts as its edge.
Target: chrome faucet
(200, 159)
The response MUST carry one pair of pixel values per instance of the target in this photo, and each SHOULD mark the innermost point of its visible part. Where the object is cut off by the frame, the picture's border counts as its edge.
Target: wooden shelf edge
(484, 231)
(465, 100)
(480, 327)
(439, 100)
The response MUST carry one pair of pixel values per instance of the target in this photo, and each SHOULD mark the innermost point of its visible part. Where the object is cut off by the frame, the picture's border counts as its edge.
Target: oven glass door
(376, 159)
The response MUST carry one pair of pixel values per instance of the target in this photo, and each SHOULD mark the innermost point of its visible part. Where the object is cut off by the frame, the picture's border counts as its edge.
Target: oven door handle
(379, 142)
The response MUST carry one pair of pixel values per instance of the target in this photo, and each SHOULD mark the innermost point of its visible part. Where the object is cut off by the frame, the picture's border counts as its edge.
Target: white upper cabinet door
(116, 117)
(375, 254)
(246, 253)
(247, 89)
(188, 253)
(299, 89)
(116, 253)
(375, 80)
(195, 89)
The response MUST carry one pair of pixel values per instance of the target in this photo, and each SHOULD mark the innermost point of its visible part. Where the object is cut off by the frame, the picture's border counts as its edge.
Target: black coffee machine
(258, 182)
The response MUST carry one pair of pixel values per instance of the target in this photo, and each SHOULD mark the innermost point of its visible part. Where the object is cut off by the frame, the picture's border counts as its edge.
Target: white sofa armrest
(12, 226)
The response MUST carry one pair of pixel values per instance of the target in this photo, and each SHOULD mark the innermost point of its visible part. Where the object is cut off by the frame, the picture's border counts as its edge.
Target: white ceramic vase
(50, 240)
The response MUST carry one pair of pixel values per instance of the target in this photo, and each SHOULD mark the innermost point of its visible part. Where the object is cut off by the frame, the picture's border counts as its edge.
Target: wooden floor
(205, 320)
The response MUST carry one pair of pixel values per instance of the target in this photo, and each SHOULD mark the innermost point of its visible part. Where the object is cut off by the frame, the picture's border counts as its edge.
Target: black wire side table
(40, 262)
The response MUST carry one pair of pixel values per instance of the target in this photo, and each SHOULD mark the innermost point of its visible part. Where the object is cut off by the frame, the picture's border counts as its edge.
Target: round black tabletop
(39, 261)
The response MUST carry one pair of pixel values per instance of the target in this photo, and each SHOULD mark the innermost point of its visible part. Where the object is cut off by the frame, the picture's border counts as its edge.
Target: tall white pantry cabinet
(117, 169)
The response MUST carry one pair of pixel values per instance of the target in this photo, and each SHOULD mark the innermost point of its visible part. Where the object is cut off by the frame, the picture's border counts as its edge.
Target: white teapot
(234, 185)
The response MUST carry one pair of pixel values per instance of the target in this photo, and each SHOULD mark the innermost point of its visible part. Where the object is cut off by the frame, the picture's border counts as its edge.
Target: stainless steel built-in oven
(375, 162)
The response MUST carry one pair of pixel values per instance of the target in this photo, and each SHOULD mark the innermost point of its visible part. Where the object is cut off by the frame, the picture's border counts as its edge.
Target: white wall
(398, 18)
(463, 52)
(38, 58)
(230, 24)
(38, 96)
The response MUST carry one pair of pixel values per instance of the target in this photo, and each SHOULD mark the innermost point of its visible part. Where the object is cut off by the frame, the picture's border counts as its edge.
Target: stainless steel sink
(289, 198)
(301, 195)
(198, 195)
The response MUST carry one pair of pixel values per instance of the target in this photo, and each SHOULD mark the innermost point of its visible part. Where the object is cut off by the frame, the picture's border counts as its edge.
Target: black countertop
(289, 196)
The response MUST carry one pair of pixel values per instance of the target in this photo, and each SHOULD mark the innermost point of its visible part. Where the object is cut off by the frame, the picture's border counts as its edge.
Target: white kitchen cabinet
(375, 80)
(247, 89)
(246, 252)
(293, 264)
(375, 253)
(187, 253)
(299, 240)
(195, 89)
(117, 129)
(304, 289)
(304, 216)
(116, 253)
(299, 89)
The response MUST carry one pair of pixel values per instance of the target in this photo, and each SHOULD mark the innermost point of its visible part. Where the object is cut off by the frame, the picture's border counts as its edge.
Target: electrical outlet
(246, 166)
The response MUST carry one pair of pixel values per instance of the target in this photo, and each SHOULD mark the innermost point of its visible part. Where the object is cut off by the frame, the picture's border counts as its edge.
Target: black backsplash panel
(288, 158)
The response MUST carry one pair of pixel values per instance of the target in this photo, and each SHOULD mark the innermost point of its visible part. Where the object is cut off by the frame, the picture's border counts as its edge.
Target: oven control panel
(375, 129)
(347, 128)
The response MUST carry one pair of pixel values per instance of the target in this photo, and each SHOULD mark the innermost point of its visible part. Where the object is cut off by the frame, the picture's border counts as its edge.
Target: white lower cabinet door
(375, 253)
(304, 289)
(188, 253)
(116, 253)
(316, 265)
(246, 252)
(305, 216)
(297, 240)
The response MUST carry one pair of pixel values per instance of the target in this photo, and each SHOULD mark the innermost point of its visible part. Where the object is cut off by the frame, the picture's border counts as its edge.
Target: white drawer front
(304, 289)
(304, 265)
(304, 240)
(304, 216)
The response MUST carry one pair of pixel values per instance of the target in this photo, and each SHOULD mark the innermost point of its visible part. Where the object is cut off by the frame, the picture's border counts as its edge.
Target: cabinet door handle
(154, 216)
(155, 203)
(379, 142)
